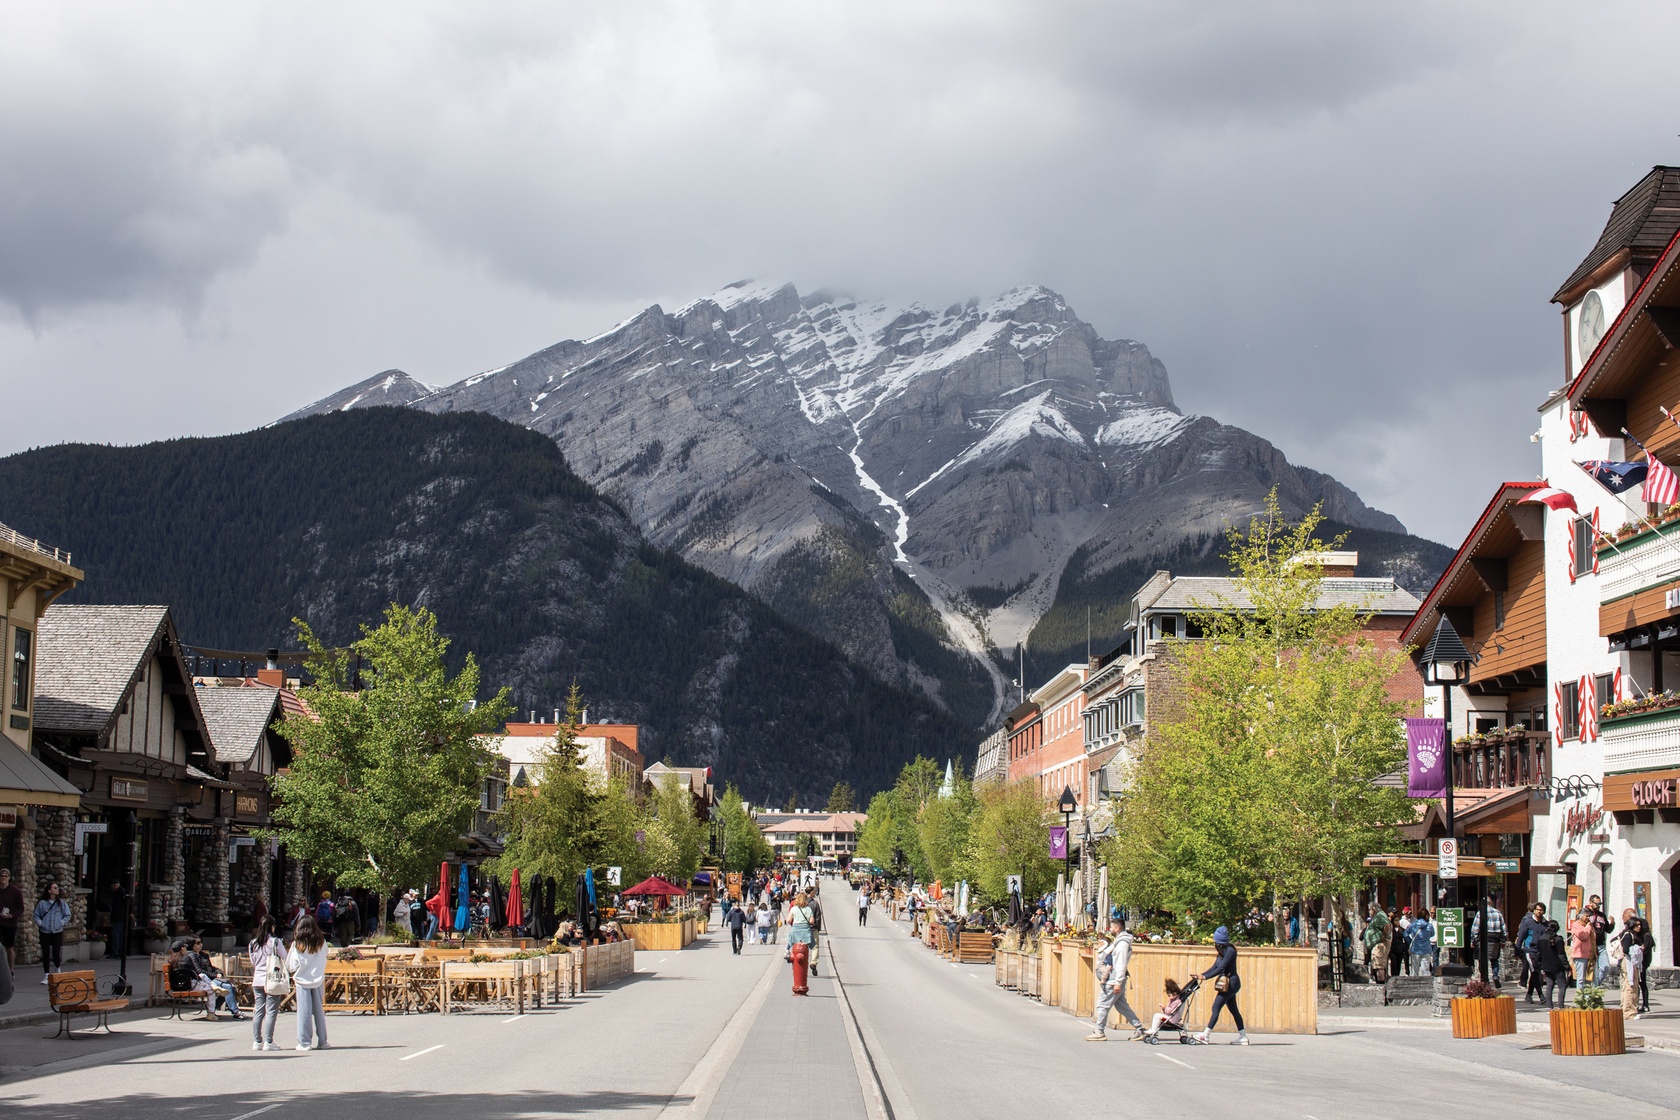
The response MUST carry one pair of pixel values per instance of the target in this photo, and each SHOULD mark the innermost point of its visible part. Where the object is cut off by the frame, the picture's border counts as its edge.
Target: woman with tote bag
(269, 983)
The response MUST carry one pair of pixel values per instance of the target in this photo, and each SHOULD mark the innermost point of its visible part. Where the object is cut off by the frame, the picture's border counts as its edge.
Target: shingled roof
(1642, 221)
(236, 719)
(1372, 595)
(88, 655)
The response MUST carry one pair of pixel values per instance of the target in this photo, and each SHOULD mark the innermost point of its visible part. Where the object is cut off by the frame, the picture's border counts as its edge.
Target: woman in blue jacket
(52, 914)
(1224, 968)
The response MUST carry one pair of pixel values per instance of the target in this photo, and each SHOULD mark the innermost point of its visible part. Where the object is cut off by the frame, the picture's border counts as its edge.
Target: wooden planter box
(1482, 1018)
(1575, 1031)
(355, 986)
(482, 984)
(1030, 966)
(659, 937)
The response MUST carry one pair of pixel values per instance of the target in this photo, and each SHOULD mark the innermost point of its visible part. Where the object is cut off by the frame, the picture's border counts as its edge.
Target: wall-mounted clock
(1591, 327)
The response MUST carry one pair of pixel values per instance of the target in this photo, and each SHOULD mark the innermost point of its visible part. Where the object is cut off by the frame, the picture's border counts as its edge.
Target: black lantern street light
(1068, 805)
(1446, 665)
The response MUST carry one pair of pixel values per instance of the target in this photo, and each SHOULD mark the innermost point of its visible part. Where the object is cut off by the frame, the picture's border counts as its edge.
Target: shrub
(1589, 997)
(1480, 989)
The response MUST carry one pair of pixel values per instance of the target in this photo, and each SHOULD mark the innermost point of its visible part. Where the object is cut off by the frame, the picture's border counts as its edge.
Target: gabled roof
(1642, 222)
(236, 718)
(1643, 330)
(88, 657)
(1506, 494)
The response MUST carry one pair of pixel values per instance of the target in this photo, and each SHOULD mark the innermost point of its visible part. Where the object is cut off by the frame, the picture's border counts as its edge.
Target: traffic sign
(1449, 858)
(1449, 927)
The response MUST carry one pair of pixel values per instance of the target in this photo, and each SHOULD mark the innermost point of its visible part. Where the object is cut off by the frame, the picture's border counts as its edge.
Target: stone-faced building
(116, 715)
(242, 723)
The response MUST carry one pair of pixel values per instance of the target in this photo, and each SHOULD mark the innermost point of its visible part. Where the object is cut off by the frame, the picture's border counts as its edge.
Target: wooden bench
(73, 993)
(974, 947)
(176, 1001)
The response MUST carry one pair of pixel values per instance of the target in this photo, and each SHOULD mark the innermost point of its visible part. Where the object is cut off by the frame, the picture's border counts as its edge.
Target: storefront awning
(1429, 865)
(26, 780)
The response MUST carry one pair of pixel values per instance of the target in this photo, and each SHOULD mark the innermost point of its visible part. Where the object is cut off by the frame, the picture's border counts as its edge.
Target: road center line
(1174, 1061)
(260, 1111)
(417, 1053)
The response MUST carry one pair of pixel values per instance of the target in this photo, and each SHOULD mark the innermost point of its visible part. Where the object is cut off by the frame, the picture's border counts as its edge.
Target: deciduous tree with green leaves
(744, 846)
(673, 833)
(385, 780)
(1260, 782)
(1010, 835)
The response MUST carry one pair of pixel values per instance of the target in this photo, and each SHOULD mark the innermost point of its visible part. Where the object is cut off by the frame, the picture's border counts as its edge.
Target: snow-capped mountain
(886, 473)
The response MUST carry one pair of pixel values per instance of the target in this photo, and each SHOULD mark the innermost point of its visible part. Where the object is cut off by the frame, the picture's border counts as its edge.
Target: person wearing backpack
(1113, 962)
(1529, 932)
(268, 973)
(324, 911)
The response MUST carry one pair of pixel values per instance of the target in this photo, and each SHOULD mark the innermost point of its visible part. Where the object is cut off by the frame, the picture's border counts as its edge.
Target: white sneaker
(1240, 1040)
(301, 1046)
(1200, 1036)
(46, 979)
(257, 1046)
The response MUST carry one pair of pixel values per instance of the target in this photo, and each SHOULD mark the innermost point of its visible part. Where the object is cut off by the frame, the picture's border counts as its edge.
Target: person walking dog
(307, 962)
(1113, 961)
(1226, 985)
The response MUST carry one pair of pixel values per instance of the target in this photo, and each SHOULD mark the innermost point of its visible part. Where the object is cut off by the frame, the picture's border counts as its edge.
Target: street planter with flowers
(1482, 1012)
(1588, 1028)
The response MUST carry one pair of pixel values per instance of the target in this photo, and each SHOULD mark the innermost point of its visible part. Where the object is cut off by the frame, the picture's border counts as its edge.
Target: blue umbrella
(461, 901)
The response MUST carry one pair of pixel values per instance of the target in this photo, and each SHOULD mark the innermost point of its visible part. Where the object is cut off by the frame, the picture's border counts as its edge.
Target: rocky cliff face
(907, 480)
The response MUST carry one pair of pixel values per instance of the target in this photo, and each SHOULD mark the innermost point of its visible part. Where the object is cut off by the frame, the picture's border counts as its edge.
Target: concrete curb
(36, 1018)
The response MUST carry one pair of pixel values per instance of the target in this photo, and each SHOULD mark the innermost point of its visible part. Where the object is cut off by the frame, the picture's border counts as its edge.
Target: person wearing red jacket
(435, 906)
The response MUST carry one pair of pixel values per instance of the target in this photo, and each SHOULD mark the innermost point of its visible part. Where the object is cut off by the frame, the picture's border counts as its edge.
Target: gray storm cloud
(1337, 224)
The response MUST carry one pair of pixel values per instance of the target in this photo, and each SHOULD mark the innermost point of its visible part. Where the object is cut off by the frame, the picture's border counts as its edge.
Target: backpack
(324, 913)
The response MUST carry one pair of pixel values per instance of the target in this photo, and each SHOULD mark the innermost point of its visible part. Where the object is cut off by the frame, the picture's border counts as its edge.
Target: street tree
(744, 846)
(674, 838)
(554, 826)
(943, 828)
(1010, 835)
(1259, 784)
(384, 780)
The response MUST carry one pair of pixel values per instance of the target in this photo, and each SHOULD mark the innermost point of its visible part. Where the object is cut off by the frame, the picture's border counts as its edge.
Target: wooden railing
(1505, 760)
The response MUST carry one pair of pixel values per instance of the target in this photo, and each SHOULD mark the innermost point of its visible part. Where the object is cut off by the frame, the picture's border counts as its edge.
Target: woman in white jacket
(307, 962)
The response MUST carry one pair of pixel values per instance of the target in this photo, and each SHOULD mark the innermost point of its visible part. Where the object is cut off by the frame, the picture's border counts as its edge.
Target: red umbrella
(438, 904)
(655, 885)
(515, 905)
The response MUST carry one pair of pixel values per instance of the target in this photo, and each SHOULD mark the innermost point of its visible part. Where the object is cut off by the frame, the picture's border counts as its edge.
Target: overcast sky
(1337, 224)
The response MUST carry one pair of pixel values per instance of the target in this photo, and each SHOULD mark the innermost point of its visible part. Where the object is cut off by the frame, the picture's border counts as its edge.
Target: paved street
(705, 1033)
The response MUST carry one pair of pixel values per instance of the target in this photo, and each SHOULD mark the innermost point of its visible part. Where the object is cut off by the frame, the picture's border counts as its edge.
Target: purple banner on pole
(1426, 757)
(1058, 842)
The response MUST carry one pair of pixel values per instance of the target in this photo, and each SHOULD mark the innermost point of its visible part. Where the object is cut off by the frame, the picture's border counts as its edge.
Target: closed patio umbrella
(463, 899)
(551, 898)
(515, 912)
(498, 905)
(438, 904)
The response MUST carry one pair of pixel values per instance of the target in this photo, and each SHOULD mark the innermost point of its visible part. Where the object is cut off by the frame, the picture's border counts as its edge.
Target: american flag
(1661, 485)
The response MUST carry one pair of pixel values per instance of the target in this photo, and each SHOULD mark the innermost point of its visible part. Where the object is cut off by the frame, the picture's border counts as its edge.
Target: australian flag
(1614, 477)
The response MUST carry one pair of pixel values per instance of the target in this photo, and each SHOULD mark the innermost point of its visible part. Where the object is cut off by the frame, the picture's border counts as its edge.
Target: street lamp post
(1446, 664)
(1068, 804)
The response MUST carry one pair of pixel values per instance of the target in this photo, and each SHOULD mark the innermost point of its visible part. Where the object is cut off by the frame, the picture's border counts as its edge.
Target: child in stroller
(1171, 1015)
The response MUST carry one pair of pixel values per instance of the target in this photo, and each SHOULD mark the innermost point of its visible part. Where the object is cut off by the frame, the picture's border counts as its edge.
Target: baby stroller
(1191, 986)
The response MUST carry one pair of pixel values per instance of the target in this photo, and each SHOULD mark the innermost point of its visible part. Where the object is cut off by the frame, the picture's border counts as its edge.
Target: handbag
(1221, 984)
(279, 982)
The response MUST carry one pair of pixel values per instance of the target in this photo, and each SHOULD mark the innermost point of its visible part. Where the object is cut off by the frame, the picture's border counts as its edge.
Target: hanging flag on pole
(1554, 499)
(1426, 757)
(1661, 486)
(1613, 476)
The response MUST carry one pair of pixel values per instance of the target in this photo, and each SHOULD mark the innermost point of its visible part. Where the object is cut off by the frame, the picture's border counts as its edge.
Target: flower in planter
(1480, 989)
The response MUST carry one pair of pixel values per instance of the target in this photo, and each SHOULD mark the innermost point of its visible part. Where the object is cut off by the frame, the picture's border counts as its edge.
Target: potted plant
(1481, 1011)
(1588, 1028)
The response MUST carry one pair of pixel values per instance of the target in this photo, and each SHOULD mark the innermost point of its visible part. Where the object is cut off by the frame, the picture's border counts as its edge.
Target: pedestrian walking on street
(1628, 950)
(1529, 932)
(1375, 940)
(737, 921)
(11, 909)
(1226, 983)
(1552, 955)
(1583, 946)
(1496, 930)
(863, 908)
(307, 962)
(762, 923)
(1422, 934)
(800, 932)
(1113, 962)
(266, 952)
(52, 914)
(814, 904)
(1397, 946)
(1603, 925)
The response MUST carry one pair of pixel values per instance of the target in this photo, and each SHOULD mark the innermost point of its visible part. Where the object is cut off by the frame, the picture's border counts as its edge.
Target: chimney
(273, 677)
(533, 715)
(273, 659)
(585, 716)
(557, 715)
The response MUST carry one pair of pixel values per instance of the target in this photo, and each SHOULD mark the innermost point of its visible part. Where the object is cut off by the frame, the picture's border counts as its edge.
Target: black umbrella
(1017, 912)
(551, 895)
(585, 912)
(498, 905)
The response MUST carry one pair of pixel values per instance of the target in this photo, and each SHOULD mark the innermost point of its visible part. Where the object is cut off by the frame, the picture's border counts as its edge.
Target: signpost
(1449, 927)
(1449, 858)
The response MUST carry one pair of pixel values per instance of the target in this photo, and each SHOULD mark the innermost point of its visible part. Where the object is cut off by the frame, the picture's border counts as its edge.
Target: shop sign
(245, 804)
(196, 830)
(1505, 866)
(1655, 789)
(1580, 820)
(8, 816)
(127, 789)
(86, 829)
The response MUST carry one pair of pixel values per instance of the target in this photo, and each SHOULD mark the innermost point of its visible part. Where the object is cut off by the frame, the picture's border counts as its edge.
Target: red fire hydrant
(801, 954)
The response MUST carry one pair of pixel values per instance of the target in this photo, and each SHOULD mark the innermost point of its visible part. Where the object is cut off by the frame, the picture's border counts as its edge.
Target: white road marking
(260, 1111)
(515, 1019)
(417, 1053)
(661, 960)
(1174, 1061)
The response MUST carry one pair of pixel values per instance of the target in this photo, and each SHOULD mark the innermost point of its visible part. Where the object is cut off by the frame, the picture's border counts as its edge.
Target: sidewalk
(29, 1002)
(1660, 1028)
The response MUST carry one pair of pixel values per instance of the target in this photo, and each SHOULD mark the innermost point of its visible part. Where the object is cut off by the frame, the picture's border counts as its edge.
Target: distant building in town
(607, 749)
(836, 833)
(991, 764)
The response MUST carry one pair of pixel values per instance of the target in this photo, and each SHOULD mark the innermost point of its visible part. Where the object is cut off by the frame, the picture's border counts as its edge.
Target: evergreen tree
(842, 799)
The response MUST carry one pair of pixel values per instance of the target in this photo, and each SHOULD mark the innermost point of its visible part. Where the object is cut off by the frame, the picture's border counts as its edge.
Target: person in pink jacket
(1583, 947)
